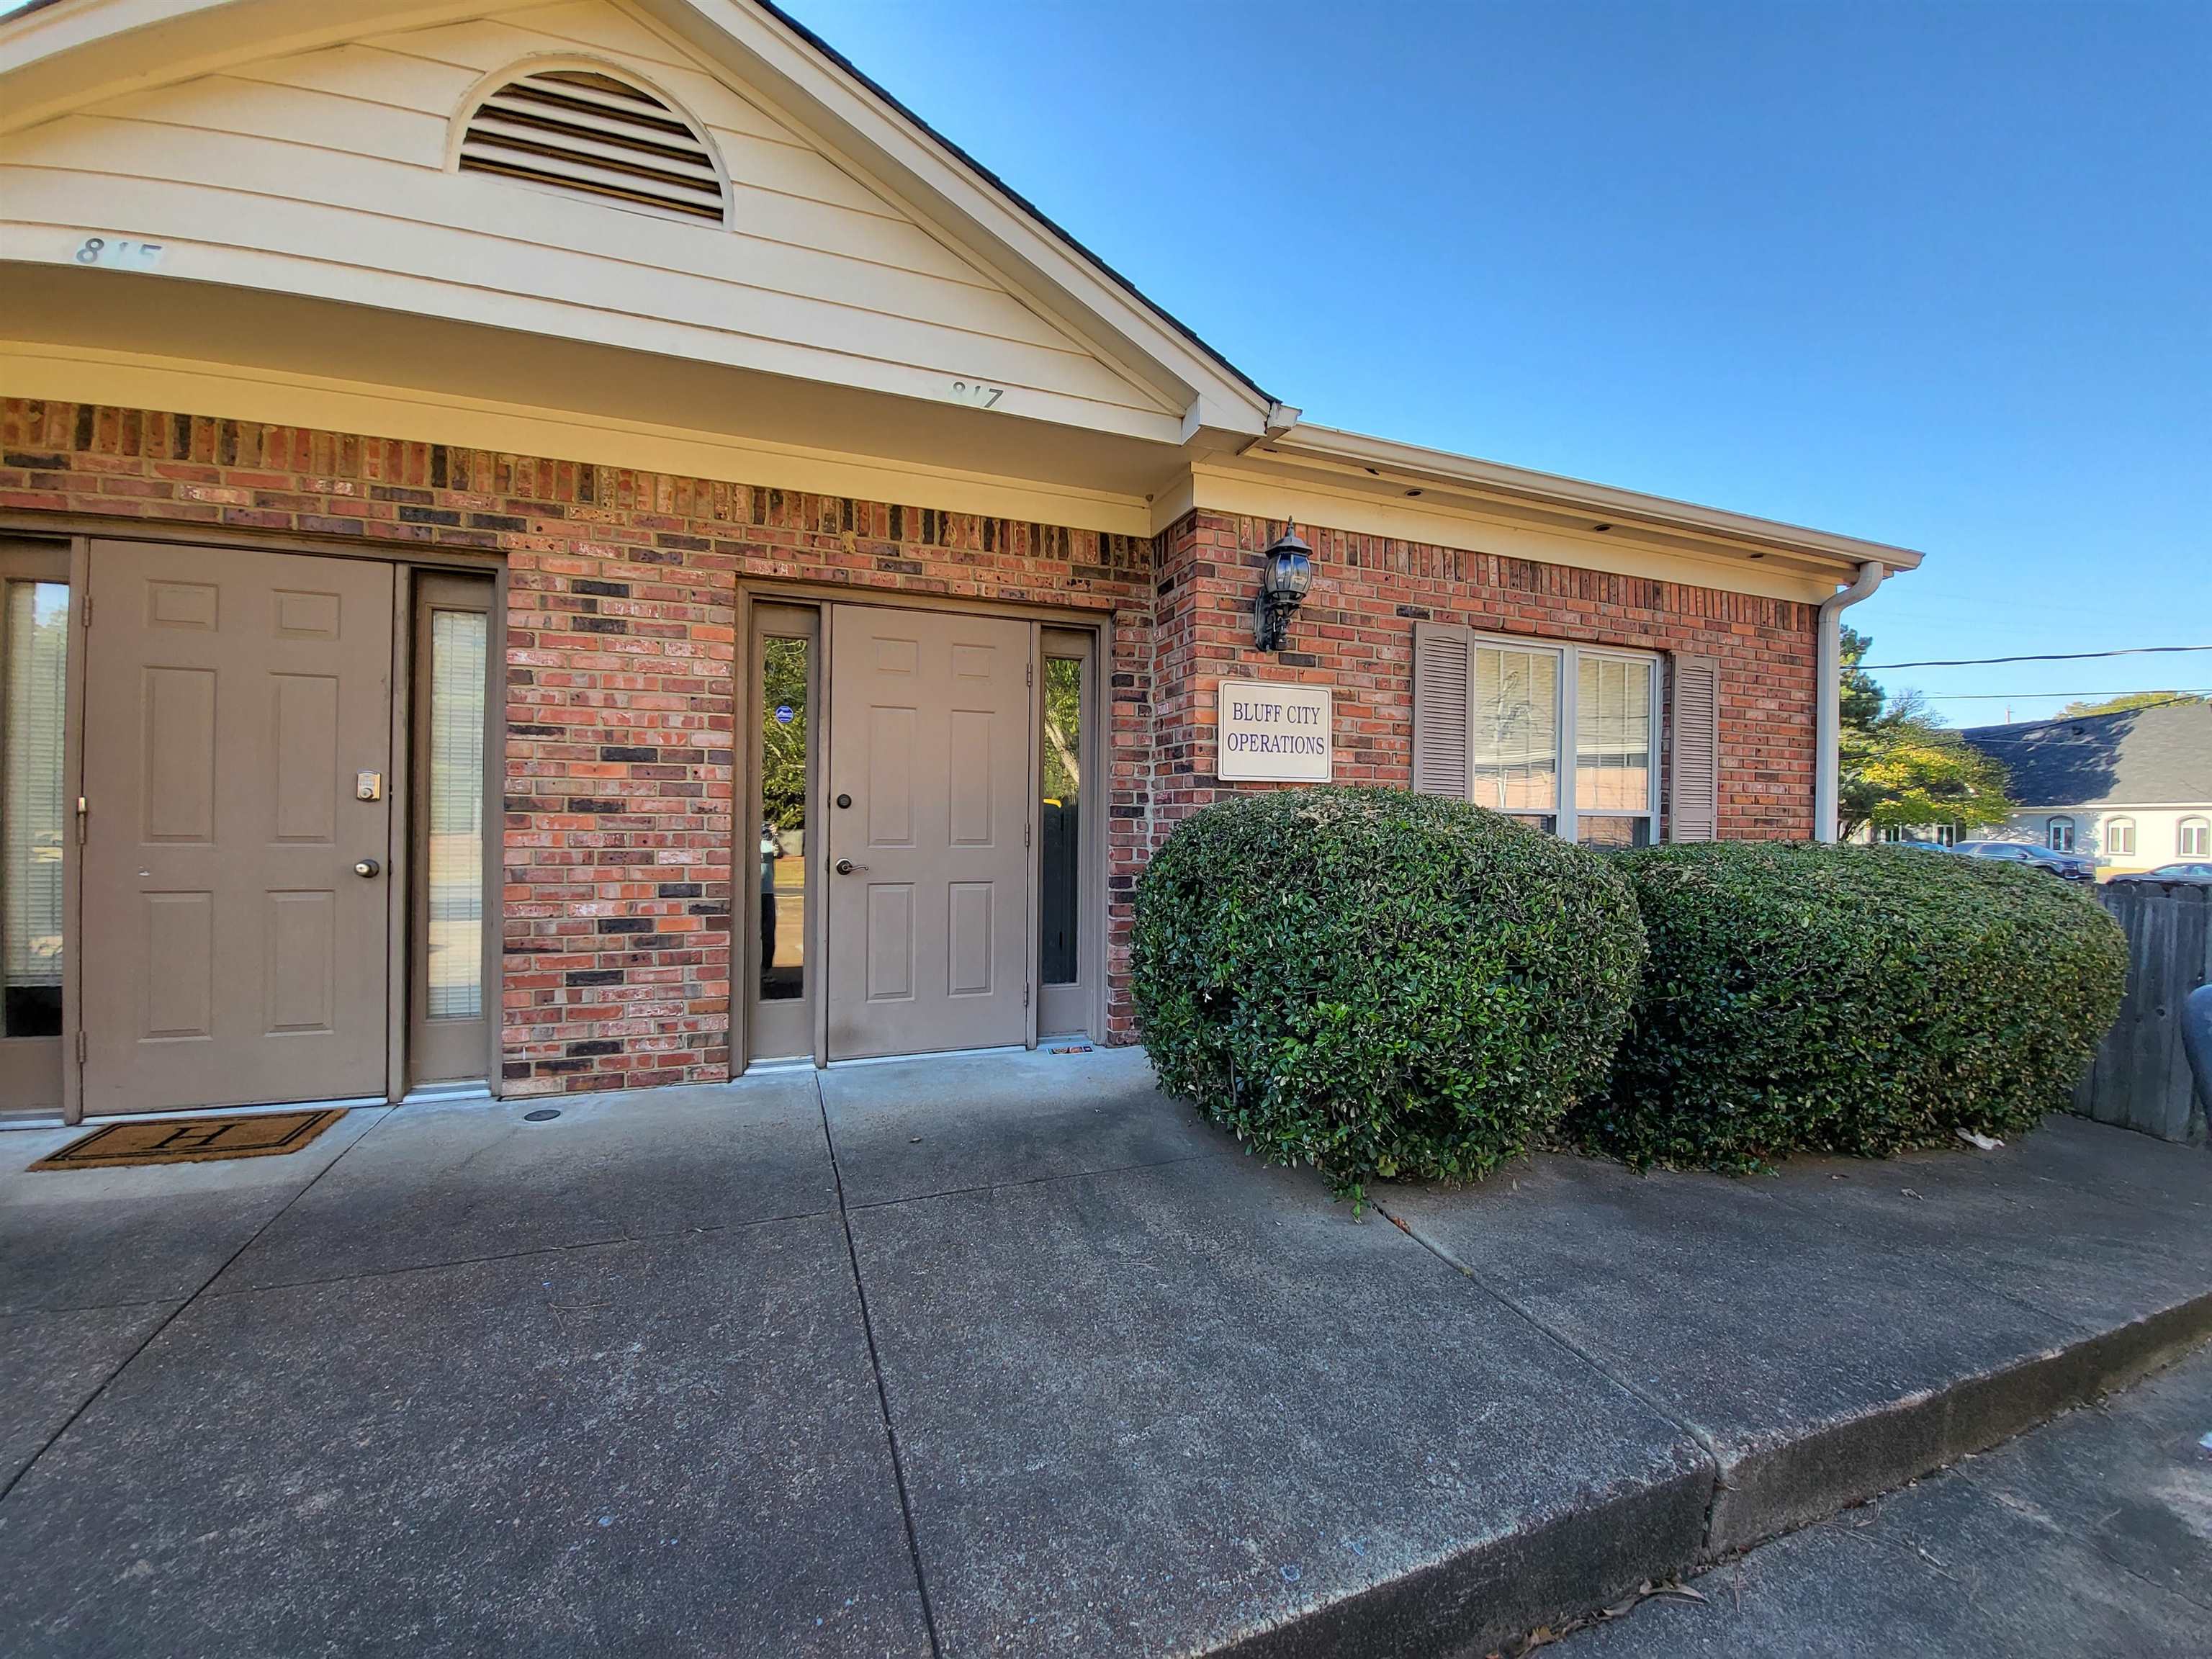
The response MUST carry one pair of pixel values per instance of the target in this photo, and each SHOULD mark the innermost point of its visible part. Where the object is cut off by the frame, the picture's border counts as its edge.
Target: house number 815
(118, 254)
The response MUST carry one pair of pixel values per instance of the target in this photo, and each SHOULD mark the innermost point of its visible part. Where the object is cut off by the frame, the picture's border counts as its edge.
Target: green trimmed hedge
(1379, 983)
(1863, 1000)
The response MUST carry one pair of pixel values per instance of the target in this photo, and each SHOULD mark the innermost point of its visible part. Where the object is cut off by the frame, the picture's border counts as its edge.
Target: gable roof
(2161, 754)
(1110, 402)
(60, 59)
(1005, 190)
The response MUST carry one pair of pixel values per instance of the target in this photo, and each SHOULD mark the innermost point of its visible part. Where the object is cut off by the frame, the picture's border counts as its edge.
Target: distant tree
(1861, 696)
(783, 737)
(2132, 699)
(1063, 721)
(1901, 765)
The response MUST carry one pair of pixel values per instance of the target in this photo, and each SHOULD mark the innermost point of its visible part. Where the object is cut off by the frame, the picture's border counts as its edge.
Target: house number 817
(976, 393)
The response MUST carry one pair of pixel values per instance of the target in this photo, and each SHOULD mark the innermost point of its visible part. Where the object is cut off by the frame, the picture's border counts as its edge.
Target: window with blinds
(1501, 722)
(1516, 761)
(34, 814)
(588, 134)
(455, 805)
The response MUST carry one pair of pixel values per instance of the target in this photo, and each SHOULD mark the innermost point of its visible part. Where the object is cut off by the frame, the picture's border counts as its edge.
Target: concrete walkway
(994, 1355)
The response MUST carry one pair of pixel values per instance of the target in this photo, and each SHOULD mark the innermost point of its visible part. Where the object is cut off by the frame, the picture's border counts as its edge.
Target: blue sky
(1934, 274)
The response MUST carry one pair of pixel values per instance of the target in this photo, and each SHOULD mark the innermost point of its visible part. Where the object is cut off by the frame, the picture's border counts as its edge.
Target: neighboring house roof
(2161, 754)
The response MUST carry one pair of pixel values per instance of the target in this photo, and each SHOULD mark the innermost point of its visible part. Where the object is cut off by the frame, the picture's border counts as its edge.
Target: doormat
(192, 1139)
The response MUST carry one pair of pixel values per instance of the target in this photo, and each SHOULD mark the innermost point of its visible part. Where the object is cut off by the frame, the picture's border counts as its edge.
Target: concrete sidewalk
(1004, 1355)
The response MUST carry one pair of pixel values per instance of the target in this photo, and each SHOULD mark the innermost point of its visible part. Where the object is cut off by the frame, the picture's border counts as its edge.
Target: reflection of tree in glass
(1518, 733)
(783, 744)
(1063, 728)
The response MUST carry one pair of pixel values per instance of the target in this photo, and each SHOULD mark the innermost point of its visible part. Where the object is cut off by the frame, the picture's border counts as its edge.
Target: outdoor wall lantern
(1285, 578)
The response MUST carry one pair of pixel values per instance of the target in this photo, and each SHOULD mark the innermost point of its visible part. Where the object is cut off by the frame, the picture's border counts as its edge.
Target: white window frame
(2052, 828)
(2192, 838)
(1944, 835)
(2118, 831)
(1567, 816)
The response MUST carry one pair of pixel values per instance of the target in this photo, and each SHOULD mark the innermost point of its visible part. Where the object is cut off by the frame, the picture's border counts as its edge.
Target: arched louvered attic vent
(591, 134)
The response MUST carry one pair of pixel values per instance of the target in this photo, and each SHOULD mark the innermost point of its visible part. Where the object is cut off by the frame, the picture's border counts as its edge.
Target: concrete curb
(1774, 1489)
(1471, 1603)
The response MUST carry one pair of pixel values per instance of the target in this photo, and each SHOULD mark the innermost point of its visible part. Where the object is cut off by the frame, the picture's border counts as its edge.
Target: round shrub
(1379, 983)
(1861, 1000)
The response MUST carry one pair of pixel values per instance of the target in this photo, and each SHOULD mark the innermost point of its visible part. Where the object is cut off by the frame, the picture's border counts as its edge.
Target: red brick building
(582, 546)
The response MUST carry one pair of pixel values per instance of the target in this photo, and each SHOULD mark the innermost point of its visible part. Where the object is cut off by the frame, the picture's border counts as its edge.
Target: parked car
(2189, 870)
(2068, 866)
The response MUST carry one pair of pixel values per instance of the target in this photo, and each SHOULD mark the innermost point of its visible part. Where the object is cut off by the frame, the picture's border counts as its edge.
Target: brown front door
(238, 705)
(928, 793)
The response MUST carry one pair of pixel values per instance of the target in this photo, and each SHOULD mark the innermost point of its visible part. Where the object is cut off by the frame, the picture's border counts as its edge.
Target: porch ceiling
(944, 455)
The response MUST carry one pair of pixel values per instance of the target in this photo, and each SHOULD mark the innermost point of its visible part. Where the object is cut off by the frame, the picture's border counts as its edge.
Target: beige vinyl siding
(327, 173)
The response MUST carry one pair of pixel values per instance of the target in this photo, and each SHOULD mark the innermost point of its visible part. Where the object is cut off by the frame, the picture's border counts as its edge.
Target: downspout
(1829, 720)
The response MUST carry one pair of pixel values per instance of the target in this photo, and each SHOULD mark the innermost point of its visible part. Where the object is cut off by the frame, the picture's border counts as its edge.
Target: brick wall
(1355, 632)
(622, 647)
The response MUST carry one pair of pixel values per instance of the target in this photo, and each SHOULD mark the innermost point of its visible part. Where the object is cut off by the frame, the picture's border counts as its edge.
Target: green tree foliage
(1901, 765)
(2132, 699)
(1860, 697)
(783, 742)
(1063, 728)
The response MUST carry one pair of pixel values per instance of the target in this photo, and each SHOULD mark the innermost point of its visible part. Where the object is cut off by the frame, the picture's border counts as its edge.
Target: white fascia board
(1437, 468)
(59, 57)
(909, 162)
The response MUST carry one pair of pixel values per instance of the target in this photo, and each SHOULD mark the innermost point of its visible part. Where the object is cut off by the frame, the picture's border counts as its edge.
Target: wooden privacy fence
(2141, 1078)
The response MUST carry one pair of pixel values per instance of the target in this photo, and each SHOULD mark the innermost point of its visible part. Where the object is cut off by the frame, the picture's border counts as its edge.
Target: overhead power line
(2052, 656)
(2022, 696)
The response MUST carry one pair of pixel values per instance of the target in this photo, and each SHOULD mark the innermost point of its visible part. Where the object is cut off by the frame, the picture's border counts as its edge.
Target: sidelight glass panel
(459, 641)
(1516, 730)
(784, 728)
(1612, 735)
(32, 812)
(1060, 822)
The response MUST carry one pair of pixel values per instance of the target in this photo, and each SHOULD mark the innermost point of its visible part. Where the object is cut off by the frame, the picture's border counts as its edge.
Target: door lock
(845, 867)
(368, 867)
(368, 786)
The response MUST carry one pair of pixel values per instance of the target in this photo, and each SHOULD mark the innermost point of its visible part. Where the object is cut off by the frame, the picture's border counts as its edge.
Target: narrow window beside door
(783, 818)
(1060, 822)
(33, 819)
(453, 995)
(458, 643)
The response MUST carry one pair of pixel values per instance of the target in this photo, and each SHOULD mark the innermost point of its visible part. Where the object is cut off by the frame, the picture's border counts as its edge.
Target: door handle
(368, 867)
(845, 867)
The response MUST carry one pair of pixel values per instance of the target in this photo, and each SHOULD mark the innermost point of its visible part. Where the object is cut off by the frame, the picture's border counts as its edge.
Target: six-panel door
(236, 932)
(929, 789)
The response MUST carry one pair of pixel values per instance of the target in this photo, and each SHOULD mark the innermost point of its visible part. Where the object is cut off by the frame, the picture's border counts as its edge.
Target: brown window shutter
(1693, 794)
(1442, 657)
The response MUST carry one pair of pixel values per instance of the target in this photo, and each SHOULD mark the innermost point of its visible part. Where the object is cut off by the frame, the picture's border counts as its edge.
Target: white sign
(119, 254)
(1278, 733)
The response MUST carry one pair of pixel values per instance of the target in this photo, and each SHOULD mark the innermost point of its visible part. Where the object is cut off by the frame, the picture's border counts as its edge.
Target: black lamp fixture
(1285, 578)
